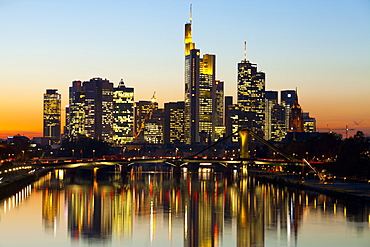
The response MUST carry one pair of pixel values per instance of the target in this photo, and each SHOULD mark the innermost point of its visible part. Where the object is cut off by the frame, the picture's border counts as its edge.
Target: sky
(320, 47)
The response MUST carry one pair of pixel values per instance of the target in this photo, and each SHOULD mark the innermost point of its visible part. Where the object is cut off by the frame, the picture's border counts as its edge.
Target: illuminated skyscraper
(287, 100)
(174, 122)
(271, 101)
(199, 89)
(218, 110)
(123, 114)
(309, 123)
(227, 115)
(143, 111)
(52, 114)
(251, 96)
(153, 130)
(99, 109)
(75, 111)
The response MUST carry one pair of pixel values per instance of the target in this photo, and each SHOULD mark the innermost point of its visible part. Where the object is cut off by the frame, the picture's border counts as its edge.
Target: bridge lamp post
(93, 153)
(176, 151)
(73, 153)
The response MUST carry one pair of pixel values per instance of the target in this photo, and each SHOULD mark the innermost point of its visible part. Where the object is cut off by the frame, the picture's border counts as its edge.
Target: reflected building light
(151, 222)
(186, 223)
(344, 211)
(335, 209)
(170, 226)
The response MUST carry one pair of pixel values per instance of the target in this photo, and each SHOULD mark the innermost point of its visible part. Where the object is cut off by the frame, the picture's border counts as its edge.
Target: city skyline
(323, 53)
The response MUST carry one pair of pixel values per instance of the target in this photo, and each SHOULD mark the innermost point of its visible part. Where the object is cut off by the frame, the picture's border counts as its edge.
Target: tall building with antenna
(200, 89)
(251, 95)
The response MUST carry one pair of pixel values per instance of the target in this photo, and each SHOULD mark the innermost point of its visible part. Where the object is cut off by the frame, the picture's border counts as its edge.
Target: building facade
(296, 117)
(75, 111)
(99, 109)
(174, 122)
(251, 97)
(52, 115)
(200, 90)
(123, 114)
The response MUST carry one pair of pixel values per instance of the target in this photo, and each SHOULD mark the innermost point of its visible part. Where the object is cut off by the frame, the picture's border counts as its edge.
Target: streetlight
(176, 151)
(93, 153)
(73, 153)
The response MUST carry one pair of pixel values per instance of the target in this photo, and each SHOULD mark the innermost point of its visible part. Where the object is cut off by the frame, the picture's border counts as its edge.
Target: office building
(218, 110)
(287, 100)
(251, 97)
(52, 115)
(227, 118)
(199, 90)
(271, 100)
(174, 122)
(143, 111)
(75, 111)
(98, 109)
(309, 123)
(123, 114)
(153, 128)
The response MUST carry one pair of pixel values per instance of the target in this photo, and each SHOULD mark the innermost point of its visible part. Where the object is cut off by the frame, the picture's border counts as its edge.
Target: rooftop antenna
(245, 50)
(191, 13)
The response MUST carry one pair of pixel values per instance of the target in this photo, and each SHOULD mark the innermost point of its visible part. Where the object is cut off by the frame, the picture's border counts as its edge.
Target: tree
(354, 156)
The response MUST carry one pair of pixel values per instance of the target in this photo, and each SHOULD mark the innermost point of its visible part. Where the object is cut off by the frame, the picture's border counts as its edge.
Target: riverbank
(12, 186)
(341, 188)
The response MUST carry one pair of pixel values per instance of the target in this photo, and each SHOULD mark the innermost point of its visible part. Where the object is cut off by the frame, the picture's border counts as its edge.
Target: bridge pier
(244, 139)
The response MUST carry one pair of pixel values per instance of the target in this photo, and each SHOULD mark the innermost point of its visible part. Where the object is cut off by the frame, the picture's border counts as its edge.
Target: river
(105, 208)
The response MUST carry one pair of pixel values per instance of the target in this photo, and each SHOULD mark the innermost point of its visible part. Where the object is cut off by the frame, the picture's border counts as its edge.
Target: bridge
(192, 163)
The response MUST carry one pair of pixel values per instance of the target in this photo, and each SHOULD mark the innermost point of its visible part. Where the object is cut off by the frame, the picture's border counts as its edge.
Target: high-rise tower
(98, 109)
(199, 89)
(123, 114)
(251, 96)
(296, 118)
(75, 111)
(51, 116)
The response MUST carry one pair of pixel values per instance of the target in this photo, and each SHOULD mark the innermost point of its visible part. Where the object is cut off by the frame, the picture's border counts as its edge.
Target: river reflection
(82, 207)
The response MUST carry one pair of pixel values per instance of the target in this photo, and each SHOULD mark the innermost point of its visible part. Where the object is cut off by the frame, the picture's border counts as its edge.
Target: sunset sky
(321, 47)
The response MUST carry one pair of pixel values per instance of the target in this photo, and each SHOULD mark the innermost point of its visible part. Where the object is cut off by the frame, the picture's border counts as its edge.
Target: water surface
(83, 208)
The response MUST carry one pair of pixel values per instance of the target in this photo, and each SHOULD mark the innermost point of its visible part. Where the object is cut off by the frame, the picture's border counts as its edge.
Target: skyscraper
(75, 111)
(251, 96)
(271, 101)
(153, 130)
(309, 123)
(143, 111)
(218, 110)
(199, 89)
(174, 122)
(287, 100)
(296, 117)
(123, 114)
(98, 109)
(52, 115)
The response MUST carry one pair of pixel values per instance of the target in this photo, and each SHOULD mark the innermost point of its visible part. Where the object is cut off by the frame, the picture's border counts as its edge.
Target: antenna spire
(191, 13)
(245, 50)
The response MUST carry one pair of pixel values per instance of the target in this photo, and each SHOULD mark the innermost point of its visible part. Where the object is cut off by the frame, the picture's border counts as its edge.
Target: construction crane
(148, 115)
(346, 129)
